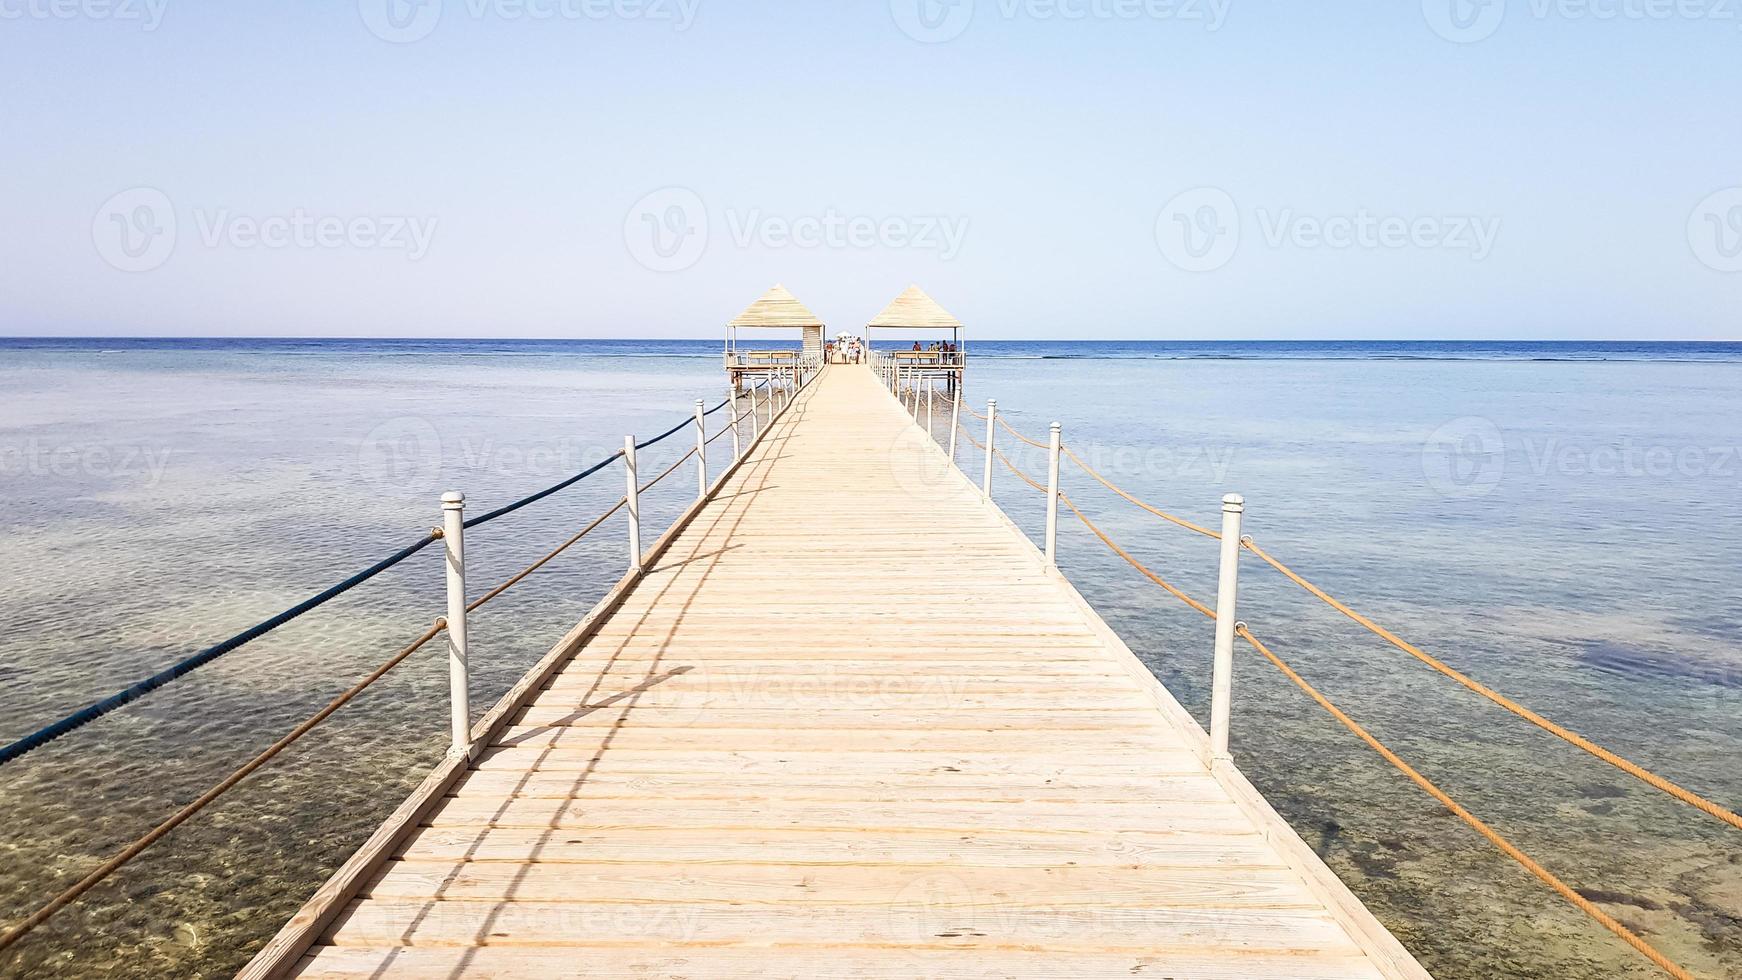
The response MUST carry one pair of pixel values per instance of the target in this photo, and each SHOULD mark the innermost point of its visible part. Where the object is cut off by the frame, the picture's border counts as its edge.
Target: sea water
(1559, 520)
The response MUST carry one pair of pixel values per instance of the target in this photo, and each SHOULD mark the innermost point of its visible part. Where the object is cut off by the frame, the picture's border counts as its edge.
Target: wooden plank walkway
(847, 727)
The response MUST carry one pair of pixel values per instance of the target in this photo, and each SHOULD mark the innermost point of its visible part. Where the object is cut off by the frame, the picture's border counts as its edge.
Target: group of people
(851, 350)
(845, 350)
(937, 347)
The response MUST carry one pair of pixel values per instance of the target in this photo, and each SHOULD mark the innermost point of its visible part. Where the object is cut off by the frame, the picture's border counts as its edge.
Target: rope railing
(1071, 455)
(134, 849)
(138, 846)
(1507, 847)
(84, 716)
(1243, 632)
(1002, 421)
(1560, 731)
(1571, 737)
(1544, 875)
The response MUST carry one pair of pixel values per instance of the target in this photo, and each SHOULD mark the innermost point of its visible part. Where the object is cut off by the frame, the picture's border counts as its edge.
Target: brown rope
(1164, 515)
(1008, 428)
(1639, 772)
(977, 444)
(1546, 876)
(134, 849)
(1542, 873)
(1134, 563)
(1018, 471)
(181, 816)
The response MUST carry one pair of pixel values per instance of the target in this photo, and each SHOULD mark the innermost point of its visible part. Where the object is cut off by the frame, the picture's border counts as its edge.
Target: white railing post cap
(1233, 503)
(453, 500)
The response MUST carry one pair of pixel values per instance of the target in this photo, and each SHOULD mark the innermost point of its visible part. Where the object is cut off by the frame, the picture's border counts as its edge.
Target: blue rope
(535, 498)
(85, 716)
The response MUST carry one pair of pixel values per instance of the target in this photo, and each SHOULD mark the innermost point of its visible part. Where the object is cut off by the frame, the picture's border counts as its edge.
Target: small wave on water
(1623, 660)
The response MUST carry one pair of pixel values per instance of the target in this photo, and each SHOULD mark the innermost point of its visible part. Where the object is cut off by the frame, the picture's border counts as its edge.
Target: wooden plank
(831, 787)
(951, 849)
(922, 921)
(1171, 817)
(809, 743)
(844, 885)
(668, 963)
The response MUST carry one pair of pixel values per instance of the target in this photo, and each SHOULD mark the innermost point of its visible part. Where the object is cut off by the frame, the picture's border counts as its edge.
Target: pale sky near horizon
(1140, 169)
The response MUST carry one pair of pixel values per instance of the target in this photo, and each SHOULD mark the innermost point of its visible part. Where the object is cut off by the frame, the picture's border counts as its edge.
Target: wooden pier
(846, 724)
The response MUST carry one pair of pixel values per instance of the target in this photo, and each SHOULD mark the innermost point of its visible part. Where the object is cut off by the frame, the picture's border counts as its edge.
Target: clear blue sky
(488, 172)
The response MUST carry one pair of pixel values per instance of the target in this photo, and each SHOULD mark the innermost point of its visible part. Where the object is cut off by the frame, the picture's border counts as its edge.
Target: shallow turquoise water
(1564, 530)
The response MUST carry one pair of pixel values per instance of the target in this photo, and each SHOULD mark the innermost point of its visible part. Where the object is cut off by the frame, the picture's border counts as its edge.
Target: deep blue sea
(1562, 520)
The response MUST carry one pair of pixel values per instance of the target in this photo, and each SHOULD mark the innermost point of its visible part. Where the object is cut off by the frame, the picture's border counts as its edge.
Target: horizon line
(970, 340)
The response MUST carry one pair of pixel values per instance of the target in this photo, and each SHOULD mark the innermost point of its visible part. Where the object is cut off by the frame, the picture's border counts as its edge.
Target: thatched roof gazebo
(915, 312)
(776, 310)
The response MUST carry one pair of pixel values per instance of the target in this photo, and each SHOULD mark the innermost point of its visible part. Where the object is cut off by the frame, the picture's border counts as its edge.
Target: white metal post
(1222, 680)
(634, 495)
(701, 449)
(459, 693)
(986, 477)
(732, 402)
(955, 420)
(1052, 498)
(929, 388)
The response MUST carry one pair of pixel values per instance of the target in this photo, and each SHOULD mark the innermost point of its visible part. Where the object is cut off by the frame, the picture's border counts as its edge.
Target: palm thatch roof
(914, 308)
(777, 308)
